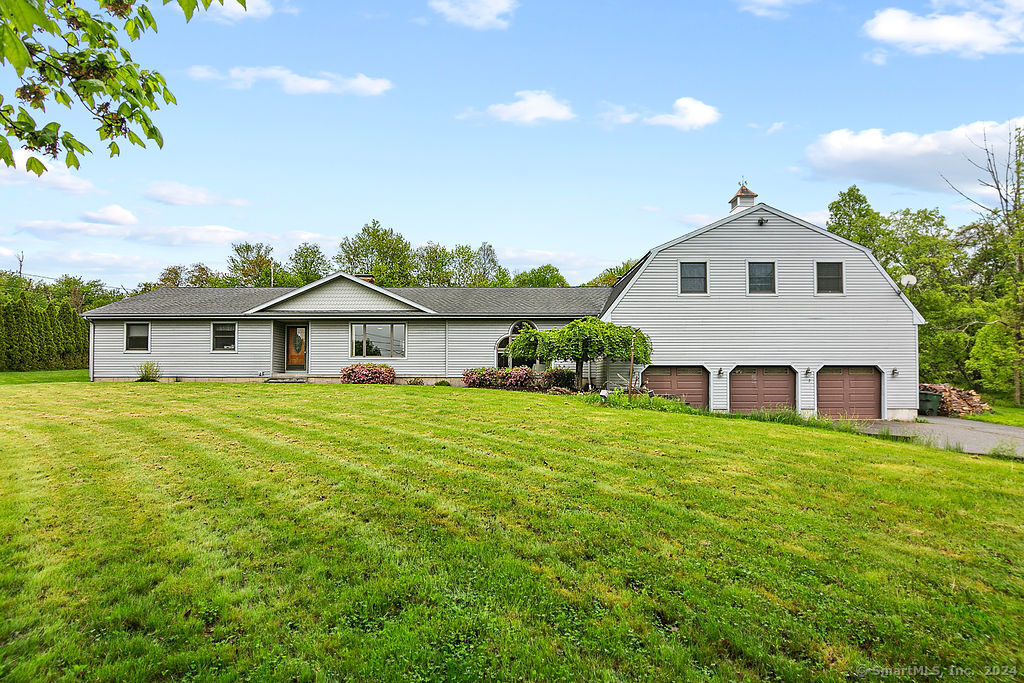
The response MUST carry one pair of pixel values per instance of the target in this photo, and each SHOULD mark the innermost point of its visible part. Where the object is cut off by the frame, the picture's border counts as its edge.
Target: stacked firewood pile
(957, 401)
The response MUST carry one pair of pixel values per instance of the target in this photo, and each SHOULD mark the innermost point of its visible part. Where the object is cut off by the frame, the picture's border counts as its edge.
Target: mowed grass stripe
(568, 541)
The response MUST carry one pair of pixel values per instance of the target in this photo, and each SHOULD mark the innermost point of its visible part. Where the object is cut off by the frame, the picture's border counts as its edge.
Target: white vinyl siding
(341, 295)
(183, 349)
(870, 325)
(330, 348)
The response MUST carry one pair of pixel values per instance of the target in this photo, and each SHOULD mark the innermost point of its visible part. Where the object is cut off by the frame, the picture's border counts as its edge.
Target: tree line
(970, 279)
(375, 250)
(50, 338)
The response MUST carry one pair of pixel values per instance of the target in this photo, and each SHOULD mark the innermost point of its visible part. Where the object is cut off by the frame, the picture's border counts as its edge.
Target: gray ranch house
(758, 309)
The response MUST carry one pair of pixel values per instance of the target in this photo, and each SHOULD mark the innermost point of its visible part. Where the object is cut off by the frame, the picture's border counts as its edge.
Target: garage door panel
(753, 388)
(850, 392)
(688, 382)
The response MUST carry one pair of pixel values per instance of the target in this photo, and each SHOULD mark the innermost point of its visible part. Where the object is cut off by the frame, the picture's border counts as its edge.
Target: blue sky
(577, 132)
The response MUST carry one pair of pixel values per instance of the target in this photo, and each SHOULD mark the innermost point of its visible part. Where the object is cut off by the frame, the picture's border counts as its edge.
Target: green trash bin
(928, 403)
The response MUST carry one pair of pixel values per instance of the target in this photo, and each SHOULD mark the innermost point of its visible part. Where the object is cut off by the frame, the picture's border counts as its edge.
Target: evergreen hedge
(52, 338)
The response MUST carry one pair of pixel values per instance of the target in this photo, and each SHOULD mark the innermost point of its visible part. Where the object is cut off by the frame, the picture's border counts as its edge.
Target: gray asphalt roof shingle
(190, 301)
(508, 301)
(452, 301)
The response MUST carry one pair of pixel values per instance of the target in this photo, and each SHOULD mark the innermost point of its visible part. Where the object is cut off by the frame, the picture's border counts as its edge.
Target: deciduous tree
(541, 276)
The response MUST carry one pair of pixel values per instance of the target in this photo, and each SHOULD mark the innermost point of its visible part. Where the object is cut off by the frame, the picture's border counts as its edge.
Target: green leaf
(114, 149)
(13, 50)
(71, 160)
(5, 152)
(90, 86)
(35, 166)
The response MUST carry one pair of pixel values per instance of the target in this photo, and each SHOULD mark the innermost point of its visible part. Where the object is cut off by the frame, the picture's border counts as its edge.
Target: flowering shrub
(368, 373)
(558, 377)
(482, 378)
(518, 379)
(498, 378)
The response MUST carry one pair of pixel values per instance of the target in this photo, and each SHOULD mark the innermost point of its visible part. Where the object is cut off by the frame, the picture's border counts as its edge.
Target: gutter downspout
(92, 351)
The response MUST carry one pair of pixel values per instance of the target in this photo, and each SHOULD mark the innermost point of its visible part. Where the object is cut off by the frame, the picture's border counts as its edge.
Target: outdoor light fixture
(762, 221)
(720, 372)
(895, 372)
(807, 372)
(604, 396)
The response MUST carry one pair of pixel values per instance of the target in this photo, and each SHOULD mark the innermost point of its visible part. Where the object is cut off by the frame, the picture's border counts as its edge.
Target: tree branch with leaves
(63, 54)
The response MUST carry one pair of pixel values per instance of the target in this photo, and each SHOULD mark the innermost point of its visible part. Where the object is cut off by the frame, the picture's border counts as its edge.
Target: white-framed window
(761, 277)
(829, 277)
(223, 337)
(136, 337)
(693, 277)
(503, 361)
(378, 340)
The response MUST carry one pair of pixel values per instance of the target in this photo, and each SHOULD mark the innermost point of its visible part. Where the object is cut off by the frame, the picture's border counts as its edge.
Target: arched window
(503, 360)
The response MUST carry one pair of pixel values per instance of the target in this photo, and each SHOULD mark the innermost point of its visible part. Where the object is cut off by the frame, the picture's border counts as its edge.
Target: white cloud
(690, 114)
(190, 235)
(775, 9)
(775, 127)
(231, 11)
(907, 159)
(819, 217)
(179, 194)
(575, 267)
(50, 229)
(57, 175)
(980, 27)
(478, 14)
(531, 107)
(650, 209)
(203, 72)
(174, 235)
(616, 115)
(111, 215)
(697, 220)
(324, 83)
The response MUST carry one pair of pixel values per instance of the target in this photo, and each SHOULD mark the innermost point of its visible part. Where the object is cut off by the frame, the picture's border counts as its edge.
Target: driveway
(972, 435)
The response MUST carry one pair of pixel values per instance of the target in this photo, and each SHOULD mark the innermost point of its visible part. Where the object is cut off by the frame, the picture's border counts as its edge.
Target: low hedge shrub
(558, 377)
(368, 373)
(518, 378)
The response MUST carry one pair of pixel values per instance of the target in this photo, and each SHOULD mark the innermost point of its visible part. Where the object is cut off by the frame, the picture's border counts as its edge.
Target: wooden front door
(295, 348)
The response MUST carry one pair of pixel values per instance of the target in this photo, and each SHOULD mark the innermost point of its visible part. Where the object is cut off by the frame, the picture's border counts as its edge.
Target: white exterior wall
(182, 348)
(341, 295)
(330, 348)
(473, 343)
(868, 325)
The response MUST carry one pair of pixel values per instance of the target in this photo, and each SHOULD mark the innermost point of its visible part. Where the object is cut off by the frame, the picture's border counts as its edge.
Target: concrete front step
(287, 379)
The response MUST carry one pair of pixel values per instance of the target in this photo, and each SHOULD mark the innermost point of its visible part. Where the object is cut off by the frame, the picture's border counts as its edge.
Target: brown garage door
(751, 388)
(690, 382)
(850, 392)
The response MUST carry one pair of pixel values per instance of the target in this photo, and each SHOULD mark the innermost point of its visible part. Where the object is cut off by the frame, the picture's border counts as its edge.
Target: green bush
(415, 381)
(148, 372)
(442, 383)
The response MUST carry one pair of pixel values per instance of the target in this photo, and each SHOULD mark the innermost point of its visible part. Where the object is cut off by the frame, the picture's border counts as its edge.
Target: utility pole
(21, 261)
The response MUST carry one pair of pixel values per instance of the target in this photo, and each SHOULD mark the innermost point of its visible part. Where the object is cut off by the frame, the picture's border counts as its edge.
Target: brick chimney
(743, 199)
(368, 277)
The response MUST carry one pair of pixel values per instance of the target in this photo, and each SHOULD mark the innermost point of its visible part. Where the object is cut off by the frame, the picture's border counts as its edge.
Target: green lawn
(44, 376)
(173, 531)
(1003, 412)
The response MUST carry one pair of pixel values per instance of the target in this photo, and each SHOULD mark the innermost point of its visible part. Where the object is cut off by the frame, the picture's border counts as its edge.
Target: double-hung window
(136, 337)
(829, 276)
(693, 277)
(761, 277)
(224, 336)
(381, 340)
